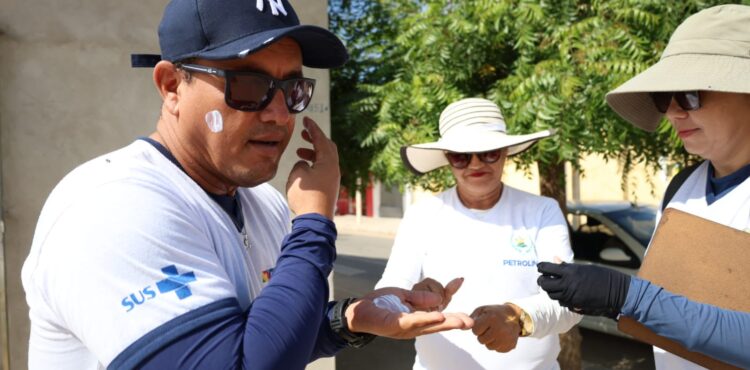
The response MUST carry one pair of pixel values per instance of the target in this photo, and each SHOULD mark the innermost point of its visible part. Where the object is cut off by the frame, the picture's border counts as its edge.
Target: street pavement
(363, 248)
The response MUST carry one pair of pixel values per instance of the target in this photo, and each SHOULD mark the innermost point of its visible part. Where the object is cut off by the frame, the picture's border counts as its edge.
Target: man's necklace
(245, 239)
(230, 205)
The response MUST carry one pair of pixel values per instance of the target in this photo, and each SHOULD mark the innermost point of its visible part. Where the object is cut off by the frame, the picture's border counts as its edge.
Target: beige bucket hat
(709, 51)
(467, 126)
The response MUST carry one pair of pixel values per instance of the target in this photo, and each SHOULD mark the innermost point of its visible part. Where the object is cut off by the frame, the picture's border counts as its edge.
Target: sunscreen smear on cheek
(214, 121)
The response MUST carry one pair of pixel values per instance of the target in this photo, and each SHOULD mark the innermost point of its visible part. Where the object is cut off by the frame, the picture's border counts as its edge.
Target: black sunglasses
(461, 160)
(252, 91)
(687, 100)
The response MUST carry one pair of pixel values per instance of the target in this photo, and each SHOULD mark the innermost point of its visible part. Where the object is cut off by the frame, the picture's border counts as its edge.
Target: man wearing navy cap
(173, 252)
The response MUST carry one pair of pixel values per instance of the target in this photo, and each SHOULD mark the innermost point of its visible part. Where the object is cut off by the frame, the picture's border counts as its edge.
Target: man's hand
(447, 292)
(364, 317)
(314, 188)
(497, 326)
(585, 289)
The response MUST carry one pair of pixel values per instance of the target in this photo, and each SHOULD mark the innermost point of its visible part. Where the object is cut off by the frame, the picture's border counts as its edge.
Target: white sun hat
(467, 126)
(709, 51)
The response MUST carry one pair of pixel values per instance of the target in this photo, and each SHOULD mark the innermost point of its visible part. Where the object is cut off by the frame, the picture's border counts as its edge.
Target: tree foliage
(366, 28)
(548, 64)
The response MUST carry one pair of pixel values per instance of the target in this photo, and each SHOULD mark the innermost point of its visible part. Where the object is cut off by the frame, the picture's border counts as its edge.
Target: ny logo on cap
(276, 6)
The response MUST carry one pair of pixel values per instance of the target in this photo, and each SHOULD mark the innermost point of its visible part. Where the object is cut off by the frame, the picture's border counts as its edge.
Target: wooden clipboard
(699, 259)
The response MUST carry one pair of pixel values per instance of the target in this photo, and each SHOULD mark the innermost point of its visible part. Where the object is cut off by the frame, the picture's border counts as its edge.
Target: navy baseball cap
(233, 29)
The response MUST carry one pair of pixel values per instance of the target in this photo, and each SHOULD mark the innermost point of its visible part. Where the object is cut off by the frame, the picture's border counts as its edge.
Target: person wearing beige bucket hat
(708, 52)
(485, 238)
(702, 86)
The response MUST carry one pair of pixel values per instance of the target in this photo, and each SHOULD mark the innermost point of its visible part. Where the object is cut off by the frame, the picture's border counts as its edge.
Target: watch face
(527, 326)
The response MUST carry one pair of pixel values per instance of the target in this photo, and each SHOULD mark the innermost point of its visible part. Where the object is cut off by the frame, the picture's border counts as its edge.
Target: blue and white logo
(174, 282)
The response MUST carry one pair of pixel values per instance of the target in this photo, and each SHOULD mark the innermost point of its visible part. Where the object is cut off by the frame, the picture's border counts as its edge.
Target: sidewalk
(382, 227)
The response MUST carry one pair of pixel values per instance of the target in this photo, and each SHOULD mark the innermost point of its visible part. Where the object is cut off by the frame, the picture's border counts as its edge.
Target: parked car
(613, 235)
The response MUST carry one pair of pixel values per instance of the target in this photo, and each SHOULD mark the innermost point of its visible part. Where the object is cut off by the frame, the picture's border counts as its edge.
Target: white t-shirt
(126, 226)
(733, 210)
(496, 252)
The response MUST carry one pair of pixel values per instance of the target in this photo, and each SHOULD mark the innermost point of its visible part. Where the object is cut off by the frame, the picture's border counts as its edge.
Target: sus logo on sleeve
(175, 282)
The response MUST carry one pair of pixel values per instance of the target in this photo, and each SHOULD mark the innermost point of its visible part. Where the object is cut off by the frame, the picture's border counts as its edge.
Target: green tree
(365, 26)
(547, 63)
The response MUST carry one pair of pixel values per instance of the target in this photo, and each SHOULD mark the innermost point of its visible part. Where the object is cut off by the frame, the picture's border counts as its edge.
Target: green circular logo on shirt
(522, 243)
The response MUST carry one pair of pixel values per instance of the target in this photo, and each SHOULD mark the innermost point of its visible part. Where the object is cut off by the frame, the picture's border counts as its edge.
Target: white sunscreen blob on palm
(214, 121)
(391, 303)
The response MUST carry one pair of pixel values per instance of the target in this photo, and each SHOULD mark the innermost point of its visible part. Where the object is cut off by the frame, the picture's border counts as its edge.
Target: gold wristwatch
(526, 323)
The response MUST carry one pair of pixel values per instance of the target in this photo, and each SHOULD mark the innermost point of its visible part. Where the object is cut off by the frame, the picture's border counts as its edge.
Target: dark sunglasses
(687, 100)
(461, 160)
(252, 91)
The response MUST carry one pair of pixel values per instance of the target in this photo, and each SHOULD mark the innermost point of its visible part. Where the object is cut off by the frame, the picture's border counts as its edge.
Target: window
(595, 242)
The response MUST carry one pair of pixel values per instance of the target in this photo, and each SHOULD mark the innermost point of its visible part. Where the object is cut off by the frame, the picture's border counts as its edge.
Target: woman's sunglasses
(252, 91)
(687, 100)
(461, 160)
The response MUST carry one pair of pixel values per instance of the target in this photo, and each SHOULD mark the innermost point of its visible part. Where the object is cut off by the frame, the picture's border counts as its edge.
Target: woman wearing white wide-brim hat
(485, 238)
(702, 85)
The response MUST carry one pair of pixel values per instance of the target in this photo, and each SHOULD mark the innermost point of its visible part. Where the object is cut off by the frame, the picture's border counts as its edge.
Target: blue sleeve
(719, 333)
(285, 328)
(328, 343)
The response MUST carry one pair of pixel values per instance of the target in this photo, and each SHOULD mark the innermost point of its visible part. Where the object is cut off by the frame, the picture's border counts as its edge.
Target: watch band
(340, 326)
(526, 323)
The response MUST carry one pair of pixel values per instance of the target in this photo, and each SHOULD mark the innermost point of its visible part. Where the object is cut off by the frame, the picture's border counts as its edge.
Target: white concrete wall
(68, 94)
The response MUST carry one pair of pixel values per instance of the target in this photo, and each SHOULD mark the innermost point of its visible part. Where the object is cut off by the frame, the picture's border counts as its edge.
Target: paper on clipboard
(699, 259)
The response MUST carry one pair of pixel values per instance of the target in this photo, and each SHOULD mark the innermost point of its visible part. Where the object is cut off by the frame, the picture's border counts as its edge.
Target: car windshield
(638, 222)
